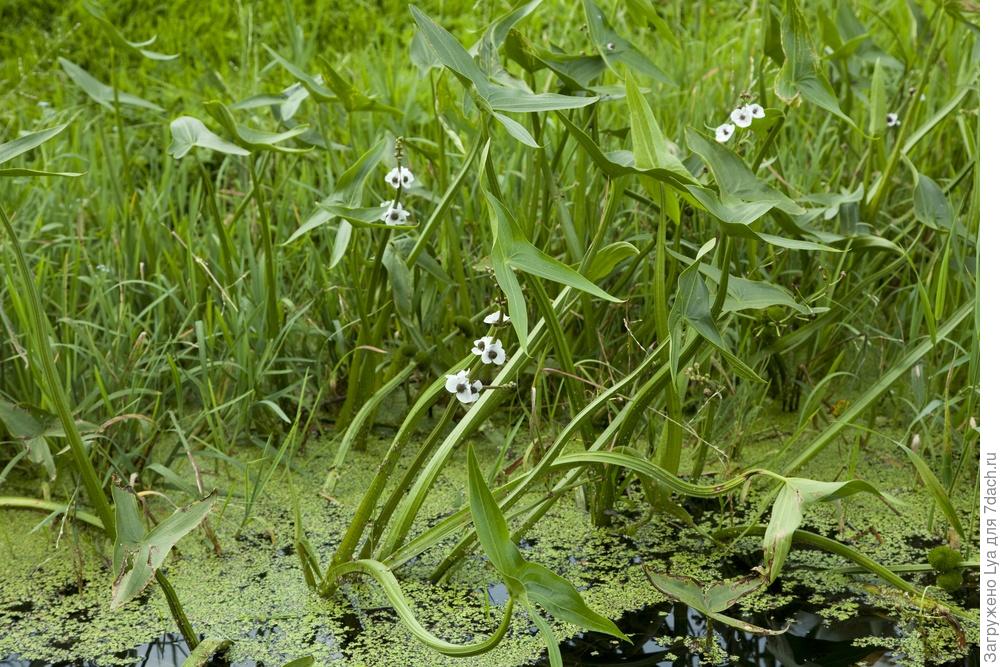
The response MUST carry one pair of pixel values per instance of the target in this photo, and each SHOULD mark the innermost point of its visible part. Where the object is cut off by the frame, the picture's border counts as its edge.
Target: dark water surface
(811, 641)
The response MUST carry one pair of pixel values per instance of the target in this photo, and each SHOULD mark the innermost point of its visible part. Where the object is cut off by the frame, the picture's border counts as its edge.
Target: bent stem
(383, 575)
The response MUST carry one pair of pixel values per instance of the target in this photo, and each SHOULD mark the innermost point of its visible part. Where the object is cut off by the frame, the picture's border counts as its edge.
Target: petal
(492, 318)
(500, 358)
(466, 396)
(451, 383)
(477, 386)
(477, 351)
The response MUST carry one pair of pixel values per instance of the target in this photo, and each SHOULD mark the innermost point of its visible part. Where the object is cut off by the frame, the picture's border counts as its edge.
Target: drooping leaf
(931, 205)
(136, 48)
(102, 93)
(576, 72)
(250, 138)
(526, 582)
(795, 496)
(400, 279)
(800, 74)
(139, 555)
(876, 102)
(516, 130)
(450, 53)
(347, 193)
(608, 257)
(693, 306)
(31, 426)
(487, 49)
(622, 163)
(936, 489)
(648, 143)
(25, 143)
(512, 250)
(189, 132)
(613, 48)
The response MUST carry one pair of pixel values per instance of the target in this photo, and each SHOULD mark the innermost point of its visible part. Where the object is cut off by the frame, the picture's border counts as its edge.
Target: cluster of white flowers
(490, 351)
(400, 178)
(465, 390)
(742, 117)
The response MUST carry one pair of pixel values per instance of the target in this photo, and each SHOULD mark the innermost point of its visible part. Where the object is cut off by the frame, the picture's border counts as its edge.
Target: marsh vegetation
(564, 331)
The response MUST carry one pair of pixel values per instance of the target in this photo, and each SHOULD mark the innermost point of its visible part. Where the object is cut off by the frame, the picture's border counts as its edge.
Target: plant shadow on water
(811, 640)
(657, 639)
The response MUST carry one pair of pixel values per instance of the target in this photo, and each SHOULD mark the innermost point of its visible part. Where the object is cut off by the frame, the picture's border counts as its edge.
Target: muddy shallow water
(55, 584)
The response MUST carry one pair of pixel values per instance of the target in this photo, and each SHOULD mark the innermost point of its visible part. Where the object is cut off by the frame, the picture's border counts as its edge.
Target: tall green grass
(205, 293)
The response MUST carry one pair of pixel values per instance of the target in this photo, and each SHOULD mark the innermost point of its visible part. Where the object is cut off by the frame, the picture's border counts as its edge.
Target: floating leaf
(713, 599)
(206, 651)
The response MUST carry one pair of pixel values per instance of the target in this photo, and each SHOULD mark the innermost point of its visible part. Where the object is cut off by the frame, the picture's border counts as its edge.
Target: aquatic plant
(548, 237)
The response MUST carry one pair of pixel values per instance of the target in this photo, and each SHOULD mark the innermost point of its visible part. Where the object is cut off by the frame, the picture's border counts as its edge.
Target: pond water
(657, 633)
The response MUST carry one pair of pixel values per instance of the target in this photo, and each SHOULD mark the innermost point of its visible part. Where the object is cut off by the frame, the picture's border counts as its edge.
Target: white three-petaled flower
(394, 213)
(741, 116)
(756, 110)
(724, 132)
(496, 318)
(465, 390)
(892, 119)
(400, 177)
(490, 350)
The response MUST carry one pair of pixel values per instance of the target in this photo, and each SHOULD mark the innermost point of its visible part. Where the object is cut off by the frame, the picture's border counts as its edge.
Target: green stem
(52, 386)
(177, 611)
(16, 502)
(270, 271)
(725, 259)
(56, 394)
